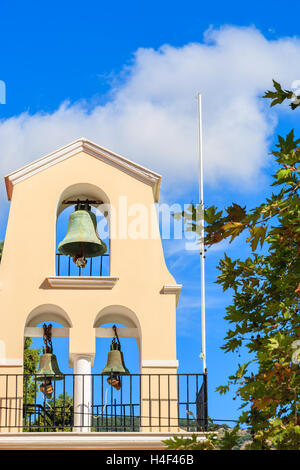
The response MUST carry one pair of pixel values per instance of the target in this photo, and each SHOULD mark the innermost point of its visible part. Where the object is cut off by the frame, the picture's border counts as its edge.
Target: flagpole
(201, 221)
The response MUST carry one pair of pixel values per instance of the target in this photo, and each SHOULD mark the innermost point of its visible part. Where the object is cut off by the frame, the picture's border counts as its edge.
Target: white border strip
(38, 332)
(11, 362)
(122, 332)
(111, 440)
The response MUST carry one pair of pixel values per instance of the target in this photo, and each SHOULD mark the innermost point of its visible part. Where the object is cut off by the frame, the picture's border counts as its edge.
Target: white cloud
(151, 116)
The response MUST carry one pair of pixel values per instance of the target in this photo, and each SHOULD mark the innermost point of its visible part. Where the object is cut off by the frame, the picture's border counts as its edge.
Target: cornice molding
(172, 289)
(84, 145)
(81, 282)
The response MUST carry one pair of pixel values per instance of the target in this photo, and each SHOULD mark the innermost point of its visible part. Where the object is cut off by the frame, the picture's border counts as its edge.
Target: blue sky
(125, 75)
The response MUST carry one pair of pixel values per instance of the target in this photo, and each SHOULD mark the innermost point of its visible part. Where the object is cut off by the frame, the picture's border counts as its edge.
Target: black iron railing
(145, 402)
(98, 266)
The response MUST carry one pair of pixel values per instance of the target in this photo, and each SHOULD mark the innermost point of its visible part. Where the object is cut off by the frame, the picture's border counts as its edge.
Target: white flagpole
(202, 253)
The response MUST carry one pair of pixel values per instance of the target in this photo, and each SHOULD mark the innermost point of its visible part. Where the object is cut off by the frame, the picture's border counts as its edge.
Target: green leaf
(257, 234)
(222, 389)
(233, 229)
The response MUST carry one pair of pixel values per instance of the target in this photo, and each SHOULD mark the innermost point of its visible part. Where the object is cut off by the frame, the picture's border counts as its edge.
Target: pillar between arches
(82, 366)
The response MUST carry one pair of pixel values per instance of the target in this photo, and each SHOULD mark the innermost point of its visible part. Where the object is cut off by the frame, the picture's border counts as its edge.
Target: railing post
(205, 404)
(202, 405)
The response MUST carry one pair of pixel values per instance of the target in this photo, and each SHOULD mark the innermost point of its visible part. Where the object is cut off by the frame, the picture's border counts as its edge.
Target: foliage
(264, 313)
(55, 415)
(60, 412)
(229, 440)
(213, 441)
(190, 443)
(103, 423)
(279, 434)
(31, 360)
(280, 95)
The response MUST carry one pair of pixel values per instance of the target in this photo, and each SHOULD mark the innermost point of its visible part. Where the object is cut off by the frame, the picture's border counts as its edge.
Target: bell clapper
(46, 388)
(80, 261)
(114, 381)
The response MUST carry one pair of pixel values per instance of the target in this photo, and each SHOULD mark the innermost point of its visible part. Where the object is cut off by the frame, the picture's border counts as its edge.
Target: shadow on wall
(1, 248)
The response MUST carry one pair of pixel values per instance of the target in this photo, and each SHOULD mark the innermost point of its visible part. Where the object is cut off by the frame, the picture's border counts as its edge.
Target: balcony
(87, 403)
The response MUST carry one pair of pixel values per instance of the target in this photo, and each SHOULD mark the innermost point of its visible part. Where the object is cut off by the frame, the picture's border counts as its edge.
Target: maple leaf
(262, 403)
(233, 229)
(257, 234)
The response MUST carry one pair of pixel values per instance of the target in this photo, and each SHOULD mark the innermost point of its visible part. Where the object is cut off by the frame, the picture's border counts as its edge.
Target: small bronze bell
(115, 362)
(48, 368)
(82, 239)
(115, 366)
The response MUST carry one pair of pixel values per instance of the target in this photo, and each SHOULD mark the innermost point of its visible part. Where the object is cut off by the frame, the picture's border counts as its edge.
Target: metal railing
(98, 266)
(145, 402)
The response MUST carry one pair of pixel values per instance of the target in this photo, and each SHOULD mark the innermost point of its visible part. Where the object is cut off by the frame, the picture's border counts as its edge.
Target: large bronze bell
(115, 362)
(82, 239)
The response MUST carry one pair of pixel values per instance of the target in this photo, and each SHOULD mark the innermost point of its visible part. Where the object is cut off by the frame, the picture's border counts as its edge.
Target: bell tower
(139, 291)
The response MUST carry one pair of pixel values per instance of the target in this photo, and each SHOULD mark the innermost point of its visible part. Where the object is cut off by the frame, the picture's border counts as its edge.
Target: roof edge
(133, 169)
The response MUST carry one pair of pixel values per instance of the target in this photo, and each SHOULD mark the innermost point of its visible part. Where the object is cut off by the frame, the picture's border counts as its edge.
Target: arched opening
(98, 204)
(47, 399)
(48, 312)
(117, 409)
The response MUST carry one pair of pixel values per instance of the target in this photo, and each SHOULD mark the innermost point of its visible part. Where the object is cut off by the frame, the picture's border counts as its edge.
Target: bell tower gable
(83, 145)
(84, 170)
